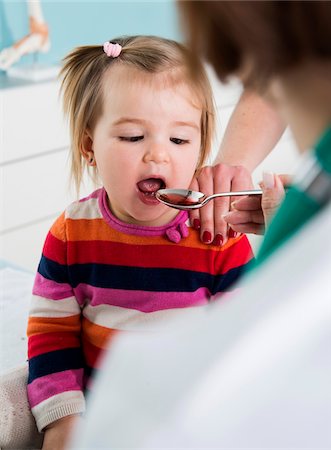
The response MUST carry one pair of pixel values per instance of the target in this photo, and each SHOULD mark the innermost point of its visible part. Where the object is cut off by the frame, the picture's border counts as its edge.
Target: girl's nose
(156, 153)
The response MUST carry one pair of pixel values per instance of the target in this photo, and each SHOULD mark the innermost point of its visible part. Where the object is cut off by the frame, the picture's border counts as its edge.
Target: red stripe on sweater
(92, 354)
(48, 342)
(55, 249)
(176, 256)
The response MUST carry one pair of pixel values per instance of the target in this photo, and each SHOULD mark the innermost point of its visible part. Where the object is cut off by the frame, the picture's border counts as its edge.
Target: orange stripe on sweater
(96, 334)
(37, 325)
(58, 228)
(98, 229)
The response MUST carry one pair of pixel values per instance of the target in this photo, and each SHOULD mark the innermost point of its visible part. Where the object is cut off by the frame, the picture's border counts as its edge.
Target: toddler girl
(118, 259)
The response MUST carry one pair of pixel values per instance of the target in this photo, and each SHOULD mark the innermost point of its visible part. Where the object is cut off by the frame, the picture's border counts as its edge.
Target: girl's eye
(179, 141)
(131, 138)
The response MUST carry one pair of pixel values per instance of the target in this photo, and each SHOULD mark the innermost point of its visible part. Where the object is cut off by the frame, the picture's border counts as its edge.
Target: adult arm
(252, 132)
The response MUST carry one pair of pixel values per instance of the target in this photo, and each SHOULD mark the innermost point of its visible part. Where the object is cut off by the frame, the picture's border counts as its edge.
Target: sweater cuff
(58, 406)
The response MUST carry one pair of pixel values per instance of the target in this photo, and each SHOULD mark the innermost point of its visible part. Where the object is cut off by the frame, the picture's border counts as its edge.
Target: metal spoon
(186, 199)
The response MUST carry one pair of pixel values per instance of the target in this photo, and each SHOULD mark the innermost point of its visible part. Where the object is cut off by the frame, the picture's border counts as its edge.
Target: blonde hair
(81, 87)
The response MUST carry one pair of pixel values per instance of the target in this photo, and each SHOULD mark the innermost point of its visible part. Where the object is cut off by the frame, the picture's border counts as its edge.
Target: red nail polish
(196, 224)
(218, 239)
(232, 233)
(206, 237)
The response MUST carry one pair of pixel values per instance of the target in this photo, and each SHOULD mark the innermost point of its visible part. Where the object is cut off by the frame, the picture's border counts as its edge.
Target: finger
(206, 214)
(207, 231)
(273, 193)
(249, 228)
(241, 181)
(194, 214)
(250, 203)
(236, 217)
(223, 176)
(286, 179)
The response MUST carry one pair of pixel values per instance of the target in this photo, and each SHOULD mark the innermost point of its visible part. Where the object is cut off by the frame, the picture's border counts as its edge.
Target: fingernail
(218, 239)
(232, 233)
(196, 224)
(268, 180)
(206, 237)
(234, 204)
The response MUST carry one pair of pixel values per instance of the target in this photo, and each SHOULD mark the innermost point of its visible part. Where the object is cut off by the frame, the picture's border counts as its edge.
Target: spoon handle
(238, 193)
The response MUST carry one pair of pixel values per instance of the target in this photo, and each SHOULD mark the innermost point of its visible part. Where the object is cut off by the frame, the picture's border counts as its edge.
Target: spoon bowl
(186, 199)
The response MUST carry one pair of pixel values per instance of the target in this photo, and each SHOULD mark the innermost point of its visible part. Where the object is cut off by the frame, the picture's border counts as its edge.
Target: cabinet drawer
(23, 246)
(34, 189)
(31, 121)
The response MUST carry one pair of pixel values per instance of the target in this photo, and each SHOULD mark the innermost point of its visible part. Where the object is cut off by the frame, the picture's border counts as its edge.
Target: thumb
(273, 194)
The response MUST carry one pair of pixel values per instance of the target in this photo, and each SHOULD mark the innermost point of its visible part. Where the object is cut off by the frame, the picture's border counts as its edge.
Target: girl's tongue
(150, 185)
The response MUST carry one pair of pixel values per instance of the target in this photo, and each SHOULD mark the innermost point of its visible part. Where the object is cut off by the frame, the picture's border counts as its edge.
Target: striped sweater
(98, 276)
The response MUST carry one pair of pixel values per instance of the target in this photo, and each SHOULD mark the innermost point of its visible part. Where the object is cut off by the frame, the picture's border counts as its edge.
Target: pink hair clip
(111, 49)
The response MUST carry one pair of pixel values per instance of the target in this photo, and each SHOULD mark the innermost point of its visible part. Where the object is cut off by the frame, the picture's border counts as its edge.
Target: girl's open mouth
(147, 189)
(150, 186)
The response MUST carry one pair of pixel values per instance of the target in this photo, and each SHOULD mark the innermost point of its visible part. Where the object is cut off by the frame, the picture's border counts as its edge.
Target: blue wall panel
(74, 22)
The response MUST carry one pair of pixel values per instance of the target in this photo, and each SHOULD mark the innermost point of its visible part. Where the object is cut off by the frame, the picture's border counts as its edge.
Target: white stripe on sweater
(88, 209)
(44, 307)
(125, 319)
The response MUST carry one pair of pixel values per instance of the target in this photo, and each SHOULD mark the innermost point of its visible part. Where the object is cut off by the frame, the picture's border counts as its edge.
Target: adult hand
(209, 219)
(253, 214)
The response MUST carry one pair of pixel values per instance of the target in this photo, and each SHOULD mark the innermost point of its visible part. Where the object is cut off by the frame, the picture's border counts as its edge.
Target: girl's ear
(87, 148)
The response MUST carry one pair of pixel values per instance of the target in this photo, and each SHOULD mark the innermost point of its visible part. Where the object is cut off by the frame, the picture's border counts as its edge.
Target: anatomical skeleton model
(37, 40)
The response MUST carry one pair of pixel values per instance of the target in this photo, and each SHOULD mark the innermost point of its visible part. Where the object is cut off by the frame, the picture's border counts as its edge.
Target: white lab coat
(252, 371)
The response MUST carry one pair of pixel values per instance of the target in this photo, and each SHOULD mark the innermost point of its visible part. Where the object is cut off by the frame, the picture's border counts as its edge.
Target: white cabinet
(31, 121)
(34, 169)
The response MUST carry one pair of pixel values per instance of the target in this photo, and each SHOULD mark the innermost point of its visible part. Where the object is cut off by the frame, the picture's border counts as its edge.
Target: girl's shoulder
(85, 208)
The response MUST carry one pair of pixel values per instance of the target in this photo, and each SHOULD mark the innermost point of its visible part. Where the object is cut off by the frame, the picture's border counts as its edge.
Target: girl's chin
(150, 219)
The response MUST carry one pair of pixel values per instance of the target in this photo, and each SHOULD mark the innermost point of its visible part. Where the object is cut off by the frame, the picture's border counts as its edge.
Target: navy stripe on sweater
(55, 361)
(136, 278)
